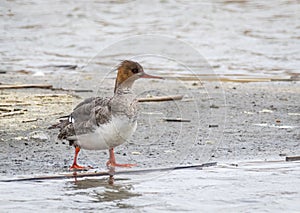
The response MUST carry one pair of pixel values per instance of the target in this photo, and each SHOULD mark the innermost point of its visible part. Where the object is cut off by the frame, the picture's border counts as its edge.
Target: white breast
(109, 135)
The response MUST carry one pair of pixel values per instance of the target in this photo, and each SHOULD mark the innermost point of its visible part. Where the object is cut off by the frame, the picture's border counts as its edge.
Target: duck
(103, 123)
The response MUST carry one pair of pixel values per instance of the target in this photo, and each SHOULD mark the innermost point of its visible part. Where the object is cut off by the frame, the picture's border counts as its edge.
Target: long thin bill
(145, 75)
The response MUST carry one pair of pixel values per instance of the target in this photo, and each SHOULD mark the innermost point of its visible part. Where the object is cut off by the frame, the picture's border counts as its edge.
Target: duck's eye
(135, 70)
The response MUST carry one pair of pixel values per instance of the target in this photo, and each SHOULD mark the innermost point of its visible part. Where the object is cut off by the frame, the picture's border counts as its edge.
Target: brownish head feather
(128, 72)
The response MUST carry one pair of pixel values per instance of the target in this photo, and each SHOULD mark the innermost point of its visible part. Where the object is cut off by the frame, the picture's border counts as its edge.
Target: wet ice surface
(248, 187)
(236, 38)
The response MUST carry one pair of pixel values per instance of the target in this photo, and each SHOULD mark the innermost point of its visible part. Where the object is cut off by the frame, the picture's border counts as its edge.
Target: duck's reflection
(103, 189)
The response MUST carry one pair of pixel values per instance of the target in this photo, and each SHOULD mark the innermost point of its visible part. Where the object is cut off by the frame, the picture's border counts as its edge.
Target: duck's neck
(123, 90)
(123, 86)
(124, 102)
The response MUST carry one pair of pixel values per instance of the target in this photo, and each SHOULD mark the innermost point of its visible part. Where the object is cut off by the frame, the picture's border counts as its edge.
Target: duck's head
(128, 72)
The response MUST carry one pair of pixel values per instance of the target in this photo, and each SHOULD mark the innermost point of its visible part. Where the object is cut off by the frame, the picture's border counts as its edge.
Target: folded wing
(87, 115)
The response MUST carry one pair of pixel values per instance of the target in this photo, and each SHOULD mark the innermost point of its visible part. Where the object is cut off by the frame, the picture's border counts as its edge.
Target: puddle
(263, 186)
(276, 126)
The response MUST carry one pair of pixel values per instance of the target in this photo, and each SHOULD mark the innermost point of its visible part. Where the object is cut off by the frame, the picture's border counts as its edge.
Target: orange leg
(75, 166)
(112, 160)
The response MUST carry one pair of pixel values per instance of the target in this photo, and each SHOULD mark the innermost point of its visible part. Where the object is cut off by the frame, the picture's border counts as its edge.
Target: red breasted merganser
(103, 123)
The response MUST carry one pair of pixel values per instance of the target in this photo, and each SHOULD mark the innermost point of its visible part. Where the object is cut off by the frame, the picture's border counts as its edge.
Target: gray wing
(86, 116)
(87, 101)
